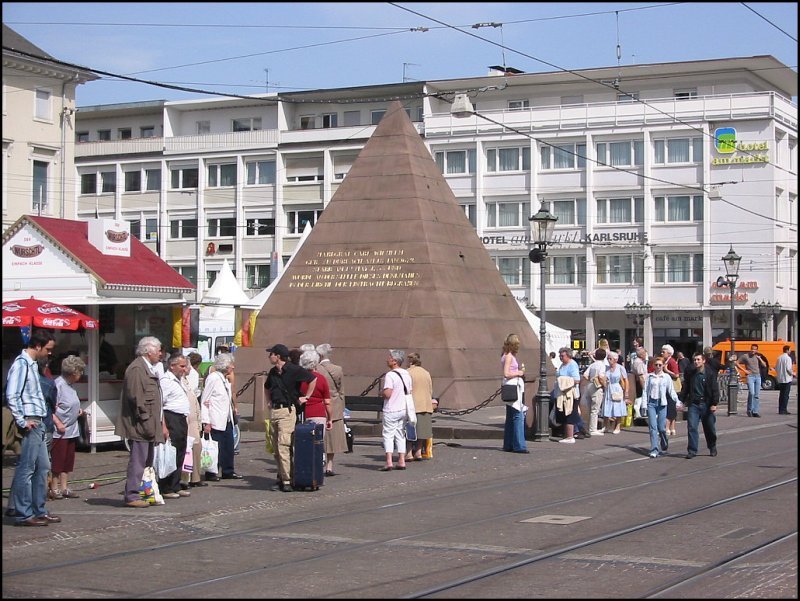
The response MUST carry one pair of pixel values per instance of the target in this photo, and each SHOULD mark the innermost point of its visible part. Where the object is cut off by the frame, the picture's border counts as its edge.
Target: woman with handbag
(614, 408)
(218, 413)
(514, 430)
(673, 371)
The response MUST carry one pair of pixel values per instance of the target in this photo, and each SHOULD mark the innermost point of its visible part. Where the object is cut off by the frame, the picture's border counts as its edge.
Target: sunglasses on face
(659, 365)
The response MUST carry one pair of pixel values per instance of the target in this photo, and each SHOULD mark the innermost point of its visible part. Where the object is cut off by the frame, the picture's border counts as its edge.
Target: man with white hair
(140, 418)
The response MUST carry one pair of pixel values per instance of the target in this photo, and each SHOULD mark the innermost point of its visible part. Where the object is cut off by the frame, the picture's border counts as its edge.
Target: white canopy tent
(219, 301)
(555, 337)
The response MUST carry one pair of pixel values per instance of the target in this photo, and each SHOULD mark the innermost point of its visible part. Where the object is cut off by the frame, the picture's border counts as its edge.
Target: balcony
(229, 141)
(117, 147)
(729, 107)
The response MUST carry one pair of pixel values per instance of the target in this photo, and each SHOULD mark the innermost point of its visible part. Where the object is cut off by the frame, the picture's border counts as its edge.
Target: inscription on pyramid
(394, 263)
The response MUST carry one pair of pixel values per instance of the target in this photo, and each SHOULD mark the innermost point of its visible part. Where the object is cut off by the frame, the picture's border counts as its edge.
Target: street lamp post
(638, 313)
(766, 311)
(542, 228)
(731, 261)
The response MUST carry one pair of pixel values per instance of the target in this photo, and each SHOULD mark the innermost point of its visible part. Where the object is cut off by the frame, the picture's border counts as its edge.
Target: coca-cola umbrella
(44, 314)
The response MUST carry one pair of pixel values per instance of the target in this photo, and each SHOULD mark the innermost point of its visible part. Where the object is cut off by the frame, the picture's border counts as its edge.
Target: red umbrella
(43, 314)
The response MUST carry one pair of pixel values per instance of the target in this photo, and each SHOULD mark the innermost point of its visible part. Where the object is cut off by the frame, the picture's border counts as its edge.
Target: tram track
(457, 493)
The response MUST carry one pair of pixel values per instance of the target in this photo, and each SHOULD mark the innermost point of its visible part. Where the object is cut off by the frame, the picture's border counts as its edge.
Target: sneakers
(184, 493)
(171, 495)
(597, 433)
(653, 454)
(54, 495)
(567, 441)
(691, 455)
(713, 451)
(68, 494)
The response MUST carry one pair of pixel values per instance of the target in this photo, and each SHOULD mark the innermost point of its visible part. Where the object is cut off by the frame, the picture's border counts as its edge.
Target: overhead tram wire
(577, 74)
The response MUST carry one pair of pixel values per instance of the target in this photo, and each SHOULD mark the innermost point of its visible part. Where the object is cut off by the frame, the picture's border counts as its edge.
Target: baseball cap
(279, 349)
(708, 350)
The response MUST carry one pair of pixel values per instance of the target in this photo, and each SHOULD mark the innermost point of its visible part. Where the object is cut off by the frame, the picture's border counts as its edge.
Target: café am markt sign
(737, 152)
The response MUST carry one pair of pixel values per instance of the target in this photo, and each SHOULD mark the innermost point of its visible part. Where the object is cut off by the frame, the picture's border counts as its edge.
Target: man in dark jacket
(140, 418)
(700, 394)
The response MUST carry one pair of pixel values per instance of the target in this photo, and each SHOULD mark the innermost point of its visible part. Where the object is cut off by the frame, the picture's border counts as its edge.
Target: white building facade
(654, 172)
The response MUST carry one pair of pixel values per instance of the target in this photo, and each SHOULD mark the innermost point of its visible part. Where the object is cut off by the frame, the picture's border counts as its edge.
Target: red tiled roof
(143, 270)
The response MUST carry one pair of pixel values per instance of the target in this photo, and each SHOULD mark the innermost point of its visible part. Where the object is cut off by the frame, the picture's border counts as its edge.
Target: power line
(768, 21)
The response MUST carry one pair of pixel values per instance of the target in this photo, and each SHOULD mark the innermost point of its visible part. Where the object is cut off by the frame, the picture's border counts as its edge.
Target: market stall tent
(93, 264)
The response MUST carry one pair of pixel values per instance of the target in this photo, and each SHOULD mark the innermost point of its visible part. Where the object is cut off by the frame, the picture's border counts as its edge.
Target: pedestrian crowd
(165, 400)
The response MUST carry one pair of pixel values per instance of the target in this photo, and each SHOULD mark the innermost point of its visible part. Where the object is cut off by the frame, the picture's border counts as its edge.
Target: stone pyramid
(394, 263)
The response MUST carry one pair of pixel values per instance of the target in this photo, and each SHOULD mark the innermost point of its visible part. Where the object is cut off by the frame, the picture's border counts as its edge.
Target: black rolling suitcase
(309, 465)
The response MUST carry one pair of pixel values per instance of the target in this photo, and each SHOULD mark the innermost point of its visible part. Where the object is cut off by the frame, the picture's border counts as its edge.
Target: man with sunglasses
(700, 394)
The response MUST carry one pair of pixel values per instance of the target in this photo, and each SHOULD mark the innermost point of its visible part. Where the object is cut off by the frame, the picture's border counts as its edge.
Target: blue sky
(226, 47)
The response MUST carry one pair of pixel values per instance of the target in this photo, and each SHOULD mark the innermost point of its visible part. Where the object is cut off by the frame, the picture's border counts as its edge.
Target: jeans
(657, 423)
(514, 430)
(29, 486)
(783, 396)
(753, 391)
(701, 412)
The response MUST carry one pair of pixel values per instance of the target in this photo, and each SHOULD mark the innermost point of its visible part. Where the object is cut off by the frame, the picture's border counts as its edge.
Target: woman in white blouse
(658, 388)
(217, 414)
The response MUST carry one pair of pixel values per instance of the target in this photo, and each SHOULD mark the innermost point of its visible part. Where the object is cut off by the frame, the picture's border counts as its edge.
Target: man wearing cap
(283, 393)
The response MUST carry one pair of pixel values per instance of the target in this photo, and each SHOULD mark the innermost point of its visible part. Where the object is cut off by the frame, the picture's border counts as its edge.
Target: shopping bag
(188, 456)
(627, 421)
(148, 489)
(268, 433)
(209, 455)
(411, 411)
(164, 459)
(411, 431)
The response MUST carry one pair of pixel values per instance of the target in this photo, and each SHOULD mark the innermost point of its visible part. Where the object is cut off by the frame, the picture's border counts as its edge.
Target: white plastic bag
(411, 410)
(164, 459)
(209, 455)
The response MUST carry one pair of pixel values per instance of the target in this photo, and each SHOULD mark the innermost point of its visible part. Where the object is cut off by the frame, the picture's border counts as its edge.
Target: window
(330, 120)
(307, 121)
(147, 131)
(569, 212)
(456, 161)
(124, 133)
(203, 127)
(376, 116)
(260, 172)
(82, 136)
(627, 96)
(677, 268)
(515, 271)
(296, 220)
(415, 114)
(507, 214)
(189, 272)
(568, 271)
(669, 209)
(150, 233)
(221, 175)
(246, 124)
(470, 210)
(258, 275)
(620, 269)
(43, 105)
(518, 105)
(621, 154)
(89, 183)
(563, 156)
(109, 181)
(184, 178)
(183, 228)
(104, 135)
(222, 227)
(260, 226)
(153, 179)
(685, 93)
(133, 181)
(508, 159)
(620, 210)
(678, 150)
(39, 201)
(352, 118)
